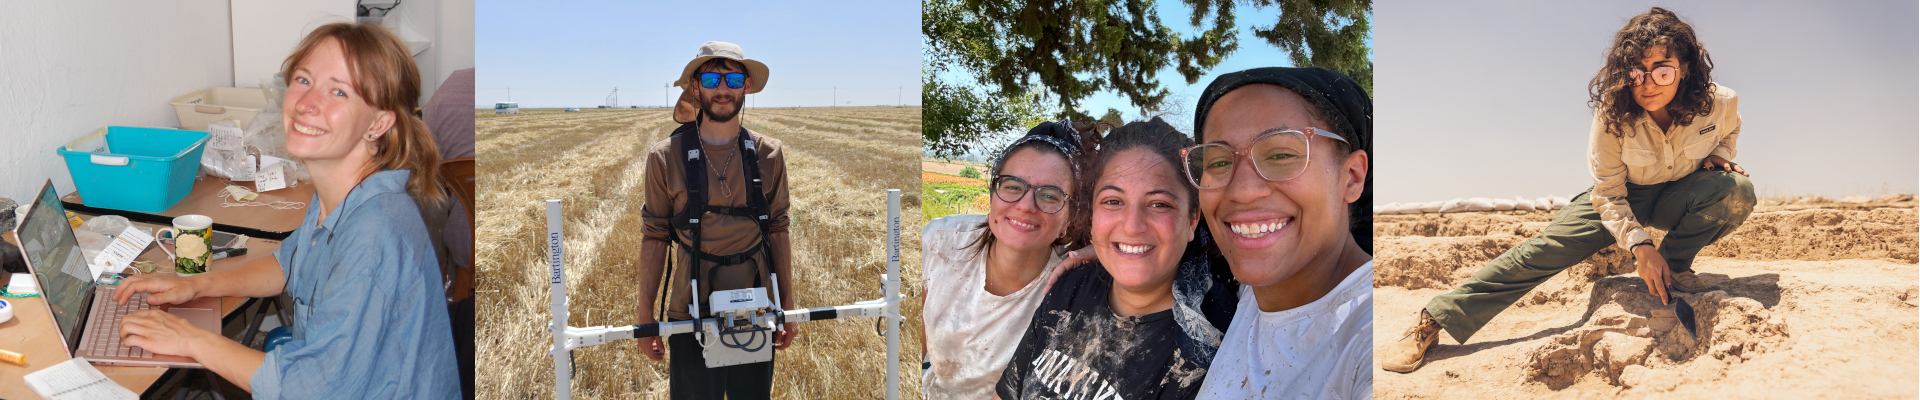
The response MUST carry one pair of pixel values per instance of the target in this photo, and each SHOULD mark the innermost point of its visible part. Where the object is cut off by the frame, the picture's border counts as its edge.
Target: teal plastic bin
(134, 169)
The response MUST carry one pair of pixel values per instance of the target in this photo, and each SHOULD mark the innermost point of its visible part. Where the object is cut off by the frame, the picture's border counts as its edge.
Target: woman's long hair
(384, 73)
(1611, 91)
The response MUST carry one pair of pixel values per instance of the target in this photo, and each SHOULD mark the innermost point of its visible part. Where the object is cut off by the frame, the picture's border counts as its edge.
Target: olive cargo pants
(1695, 210)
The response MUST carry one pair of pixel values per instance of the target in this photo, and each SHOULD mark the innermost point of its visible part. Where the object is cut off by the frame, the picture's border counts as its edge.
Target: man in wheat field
(717, 194)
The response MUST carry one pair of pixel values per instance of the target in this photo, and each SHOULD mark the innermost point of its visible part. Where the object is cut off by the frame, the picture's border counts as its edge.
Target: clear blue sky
(573, 53)
(1487, 98)
(1254, 52)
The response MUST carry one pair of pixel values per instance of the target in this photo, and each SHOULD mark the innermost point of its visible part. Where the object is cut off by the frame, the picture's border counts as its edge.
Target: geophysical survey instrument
(742, 321)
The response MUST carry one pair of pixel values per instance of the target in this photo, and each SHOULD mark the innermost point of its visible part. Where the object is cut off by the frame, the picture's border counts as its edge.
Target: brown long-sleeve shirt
(666, 196)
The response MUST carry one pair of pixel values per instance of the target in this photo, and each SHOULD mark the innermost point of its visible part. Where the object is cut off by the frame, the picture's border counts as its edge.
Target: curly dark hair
(1611, 91)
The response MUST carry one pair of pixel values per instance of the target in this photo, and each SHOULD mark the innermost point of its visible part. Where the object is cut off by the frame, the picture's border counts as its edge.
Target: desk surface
(31, 331)
(205, 200)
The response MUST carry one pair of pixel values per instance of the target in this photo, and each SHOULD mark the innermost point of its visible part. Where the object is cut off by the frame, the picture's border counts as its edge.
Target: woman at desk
(369, 319)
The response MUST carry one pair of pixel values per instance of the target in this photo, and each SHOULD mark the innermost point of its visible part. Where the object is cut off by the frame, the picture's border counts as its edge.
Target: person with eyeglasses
(986, 274)
(1285, 186)
(737, 239)
(1128, 324)
(1660, 147)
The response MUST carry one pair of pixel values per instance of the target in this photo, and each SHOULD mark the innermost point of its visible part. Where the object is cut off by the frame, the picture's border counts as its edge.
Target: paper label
(222, 136)
(118, 255)
(270, 177)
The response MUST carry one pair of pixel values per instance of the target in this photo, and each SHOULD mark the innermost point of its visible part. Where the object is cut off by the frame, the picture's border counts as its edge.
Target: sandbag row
(1473, 205)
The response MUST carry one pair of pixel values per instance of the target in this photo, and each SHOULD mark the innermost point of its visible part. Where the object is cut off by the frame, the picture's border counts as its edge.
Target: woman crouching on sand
(1659, 149)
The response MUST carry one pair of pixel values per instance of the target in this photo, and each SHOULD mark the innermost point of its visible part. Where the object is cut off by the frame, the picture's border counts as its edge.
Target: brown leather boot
(1688, 282)
(1407, 354)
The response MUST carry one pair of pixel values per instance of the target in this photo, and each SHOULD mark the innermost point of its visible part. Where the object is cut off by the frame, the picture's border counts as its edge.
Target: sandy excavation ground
(1809, 301)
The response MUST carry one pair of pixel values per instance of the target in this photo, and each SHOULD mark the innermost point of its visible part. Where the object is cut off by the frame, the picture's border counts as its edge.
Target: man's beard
(706, 108)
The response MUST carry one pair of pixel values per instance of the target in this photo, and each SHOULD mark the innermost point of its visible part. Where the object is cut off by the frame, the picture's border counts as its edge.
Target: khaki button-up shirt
(1645, 155)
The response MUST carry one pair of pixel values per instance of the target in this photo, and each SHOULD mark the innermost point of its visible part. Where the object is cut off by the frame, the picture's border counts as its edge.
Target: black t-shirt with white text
(1077, 348)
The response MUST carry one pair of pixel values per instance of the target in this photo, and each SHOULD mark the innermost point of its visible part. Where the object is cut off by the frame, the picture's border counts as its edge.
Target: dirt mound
(1461, 224)
(1831, 233)
(1823, 234)
(1633, 329)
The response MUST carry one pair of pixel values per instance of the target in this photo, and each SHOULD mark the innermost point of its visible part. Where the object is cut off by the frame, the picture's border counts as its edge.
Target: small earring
(369, 136)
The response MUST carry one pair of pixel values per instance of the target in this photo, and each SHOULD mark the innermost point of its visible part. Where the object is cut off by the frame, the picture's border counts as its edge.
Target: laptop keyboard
(106, 324)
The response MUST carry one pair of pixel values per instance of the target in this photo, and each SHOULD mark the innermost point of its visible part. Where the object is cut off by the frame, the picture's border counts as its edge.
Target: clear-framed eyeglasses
(1276, 156)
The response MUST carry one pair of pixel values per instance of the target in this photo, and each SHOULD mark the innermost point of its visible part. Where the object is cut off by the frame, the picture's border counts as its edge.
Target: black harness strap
(689, 218)
(743, 212)
(730, 259)
(696, 174)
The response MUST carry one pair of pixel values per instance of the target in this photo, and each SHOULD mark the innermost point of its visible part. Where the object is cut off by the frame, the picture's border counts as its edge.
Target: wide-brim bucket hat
(712, 50)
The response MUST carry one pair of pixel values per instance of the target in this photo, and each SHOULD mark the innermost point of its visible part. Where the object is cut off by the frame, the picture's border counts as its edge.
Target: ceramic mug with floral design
(192, 243)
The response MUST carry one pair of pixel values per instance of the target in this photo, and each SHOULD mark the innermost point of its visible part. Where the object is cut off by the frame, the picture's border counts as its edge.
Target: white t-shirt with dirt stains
(1322, 350)
(971, 334)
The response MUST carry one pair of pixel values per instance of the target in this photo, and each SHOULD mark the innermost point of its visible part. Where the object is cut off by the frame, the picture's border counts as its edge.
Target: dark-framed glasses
(1050, 199)
(735, 80)
(1276, 156)
(1663, 75)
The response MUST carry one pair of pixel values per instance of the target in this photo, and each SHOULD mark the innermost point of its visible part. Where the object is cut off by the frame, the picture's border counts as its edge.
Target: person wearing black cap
(1285, 186)
(986, 274)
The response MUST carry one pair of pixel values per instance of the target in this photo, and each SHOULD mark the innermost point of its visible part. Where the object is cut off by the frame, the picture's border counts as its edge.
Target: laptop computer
(85, 314)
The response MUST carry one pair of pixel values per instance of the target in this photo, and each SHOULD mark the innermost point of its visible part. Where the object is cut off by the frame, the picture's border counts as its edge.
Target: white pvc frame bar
(567, 338)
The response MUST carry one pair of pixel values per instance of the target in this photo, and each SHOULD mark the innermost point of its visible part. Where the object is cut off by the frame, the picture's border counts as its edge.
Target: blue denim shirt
(369, 316)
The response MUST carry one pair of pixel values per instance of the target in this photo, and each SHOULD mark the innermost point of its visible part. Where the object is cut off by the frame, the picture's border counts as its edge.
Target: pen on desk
(228, 252)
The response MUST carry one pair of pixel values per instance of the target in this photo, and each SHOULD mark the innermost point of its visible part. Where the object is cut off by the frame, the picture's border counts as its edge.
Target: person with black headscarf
(1285, 186)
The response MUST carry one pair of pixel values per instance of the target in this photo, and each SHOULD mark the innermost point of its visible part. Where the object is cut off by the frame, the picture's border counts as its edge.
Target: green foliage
(1328, 34)
(954, 118)
(1033, 60)
(943, 199)
(970, 172)
(1073, 48)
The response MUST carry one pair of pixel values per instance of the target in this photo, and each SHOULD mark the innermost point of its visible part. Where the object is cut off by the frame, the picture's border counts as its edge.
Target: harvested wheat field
(952, 167)
(840, 161)
(1810, 299)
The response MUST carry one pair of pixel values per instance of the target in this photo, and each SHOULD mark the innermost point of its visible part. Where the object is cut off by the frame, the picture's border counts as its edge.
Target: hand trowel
(1684, 312)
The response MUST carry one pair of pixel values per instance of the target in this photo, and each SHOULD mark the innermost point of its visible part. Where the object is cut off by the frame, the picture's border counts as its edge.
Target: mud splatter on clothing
(1321, 350)
(1077, 348)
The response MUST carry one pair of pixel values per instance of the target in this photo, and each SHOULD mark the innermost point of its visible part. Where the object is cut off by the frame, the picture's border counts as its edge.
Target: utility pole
(666, 90)
(509, 94)
(836, 97)
(900, 96)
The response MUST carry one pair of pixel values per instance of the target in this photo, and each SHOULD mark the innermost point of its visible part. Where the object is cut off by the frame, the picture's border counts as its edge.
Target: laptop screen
(54, 254)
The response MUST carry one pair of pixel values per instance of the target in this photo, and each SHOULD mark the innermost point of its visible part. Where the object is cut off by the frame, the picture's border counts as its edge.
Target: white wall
(69, 67)
(266, 31)
(449, 25)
